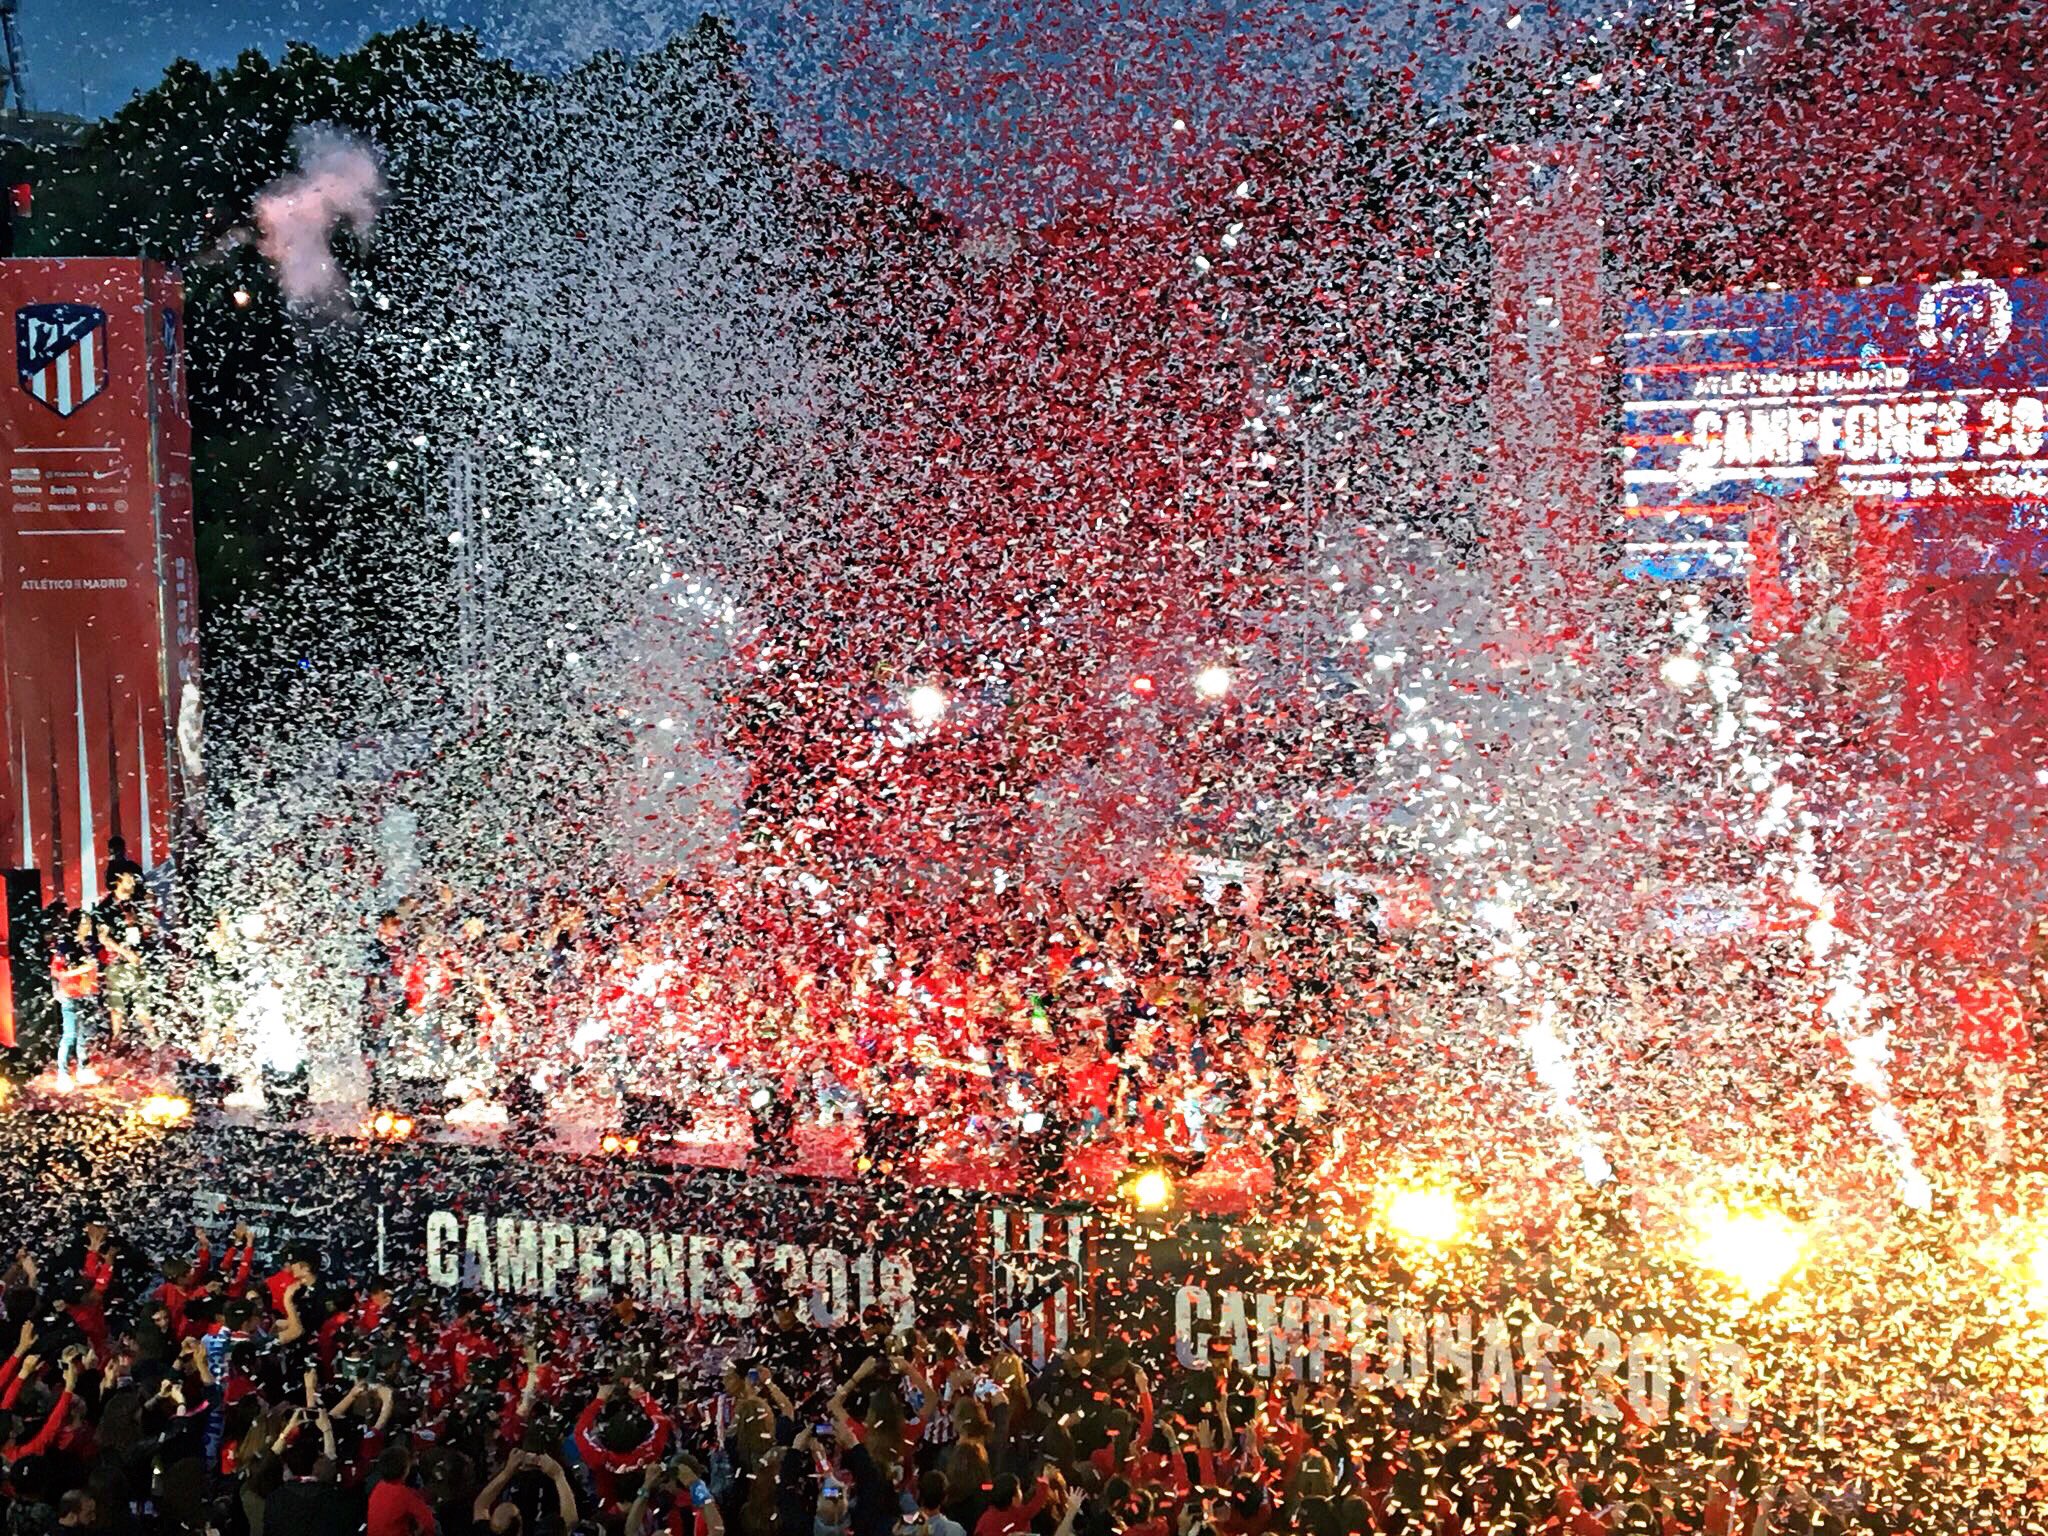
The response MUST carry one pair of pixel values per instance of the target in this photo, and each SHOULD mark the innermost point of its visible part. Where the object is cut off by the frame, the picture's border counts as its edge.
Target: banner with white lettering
(720, 1248)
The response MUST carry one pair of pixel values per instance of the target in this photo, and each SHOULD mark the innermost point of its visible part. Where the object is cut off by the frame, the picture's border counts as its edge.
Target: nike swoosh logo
(103, 474)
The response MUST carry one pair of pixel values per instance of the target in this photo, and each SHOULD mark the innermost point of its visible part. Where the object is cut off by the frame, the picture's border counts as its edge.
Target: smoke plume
(339, 182)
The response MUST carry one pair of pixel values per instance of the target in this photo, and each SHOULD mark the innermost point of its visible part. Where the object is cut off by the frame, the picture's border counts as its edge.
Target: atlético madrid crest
(60, 351)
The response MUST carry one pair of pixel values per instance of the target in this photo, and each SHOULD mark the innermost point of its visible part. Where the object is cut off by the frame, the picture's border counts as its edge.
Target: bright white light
(1754, 1246)
(1212, 682)
(163, 1109)
(927, 704)
(1152, 1190)
(1681, 672)
(264, 1025)
(251, 925)
(1425, 1215)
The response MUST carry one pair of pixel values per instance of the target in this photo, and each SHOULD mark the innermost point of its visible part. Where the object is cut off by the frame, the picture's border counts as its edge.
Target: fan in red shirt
(396, 1507)
(300, 1267)
(619, 1433)
(87, 1307)
(183, 1280)
(13, 1448)
(1011, 1510)
(1126, 1440)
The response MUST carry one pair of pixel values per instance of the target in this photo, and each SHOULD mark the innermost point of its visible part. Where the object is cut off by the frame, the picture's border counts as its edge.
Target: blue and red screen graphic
(1930, 398)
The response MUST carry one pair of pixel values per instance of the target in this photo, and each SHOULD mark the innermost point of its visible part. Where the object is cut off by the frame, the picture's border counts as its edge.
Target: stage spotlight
(392, 1125)
(164, 1109)
(1151, 1189)
(927, 705)
(1032, 1123)
(612, 1144)
(1425, 1214)
(1751, 1245)
(241, 298)
(1680, 672)
(1143, 686)
(1212, 682)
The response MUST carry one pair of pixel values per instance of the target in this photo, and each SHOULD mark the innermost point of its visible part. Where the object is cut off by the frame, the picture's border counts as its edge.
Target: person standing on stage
(118, 862)
(75, 978)
(127, 935)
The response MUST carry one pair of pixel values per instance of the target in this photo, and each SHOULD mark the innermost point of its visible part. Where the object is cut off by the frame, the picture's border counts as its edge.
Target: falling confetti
(1146, 768)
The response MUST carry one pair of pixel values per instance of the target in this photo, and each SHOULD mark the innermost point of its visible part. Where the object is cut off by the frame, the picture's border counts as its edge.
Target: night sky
(89, 56)
(1029, 94)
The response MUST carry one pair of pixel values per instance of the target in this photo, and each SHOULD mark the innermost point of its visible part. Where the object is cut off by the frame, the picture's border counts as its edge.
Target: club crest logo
(60, 353)
(1964, 320)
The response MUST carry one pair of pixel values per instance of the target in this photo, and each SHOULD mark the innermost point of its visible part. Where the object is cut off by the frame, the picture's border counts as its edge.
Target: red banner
(98, 600)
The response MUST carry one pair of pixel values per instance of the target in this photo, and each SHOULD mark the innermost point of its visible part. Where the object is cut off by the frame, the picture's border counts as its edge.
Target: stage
(1232, 1181)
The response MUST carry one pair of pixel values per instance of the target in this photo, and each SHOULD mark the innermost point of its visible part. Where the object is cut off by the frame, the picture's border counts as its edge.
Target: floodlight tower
(17, 61)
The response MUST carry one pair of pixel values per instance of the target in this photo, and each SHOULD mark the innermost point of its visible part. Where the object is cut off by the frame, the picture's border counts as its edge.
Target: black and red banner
(718, 1247)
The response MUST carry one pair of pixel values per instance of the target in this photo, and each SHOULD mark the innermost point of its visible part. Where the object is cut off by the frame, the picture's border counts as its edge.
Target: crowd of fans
(1279, 1016)
(204, 1395)
(1169, 1024)
(1271, 1017)
(189, 1396)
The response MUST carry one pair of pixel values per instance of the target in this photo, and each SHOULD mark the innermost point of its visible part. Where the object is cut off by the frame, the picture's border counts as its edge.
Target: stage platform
(1231, 1181)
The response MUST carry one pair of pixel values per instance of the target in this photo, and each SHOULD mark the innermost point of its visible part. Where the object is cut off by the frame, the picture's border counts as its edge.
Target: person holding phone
(665, 1508)
(530, 1496)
